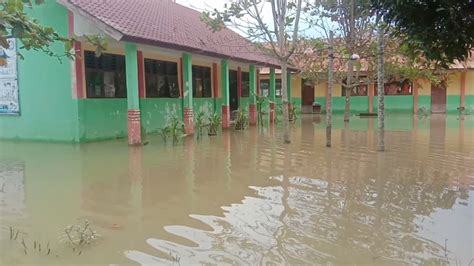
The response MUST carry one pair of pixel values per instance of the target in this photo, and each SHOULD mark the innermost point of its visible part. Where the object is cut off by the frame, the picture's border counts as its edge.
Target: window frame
(245, 83)
(401, 84)
(120, 69)
(194, 83)
(167, 74)
(278, 87)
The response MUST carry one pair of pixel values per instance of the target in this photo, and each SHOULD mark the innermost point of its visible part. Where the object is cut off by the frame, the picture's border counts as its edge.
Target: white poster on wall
(9, 98)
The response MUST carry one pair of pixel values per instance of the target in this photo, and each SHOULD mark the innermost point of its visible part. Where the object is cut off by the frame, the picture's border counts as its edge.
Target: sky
(208, 5)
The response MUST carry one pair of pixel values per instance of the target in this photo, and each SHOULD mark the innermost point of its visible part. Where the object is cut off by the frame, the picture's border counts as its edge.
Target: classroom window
(202, 82)
(245, 84)
(105, 75)
(361, 90)
(161, 79)
(403, 87)
(264, 87)
(278, 88)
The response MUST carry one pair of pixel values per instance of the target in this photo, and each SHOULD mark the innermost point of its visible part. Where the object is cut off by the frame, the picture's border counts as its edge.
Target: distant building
(402, 96)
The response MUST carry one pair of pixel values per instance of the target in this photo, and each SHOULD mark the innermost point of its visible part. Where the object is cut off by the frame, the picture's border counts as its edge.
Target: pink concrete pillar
(188, 121)
(134, 127)
(225, 117)
(252, 114)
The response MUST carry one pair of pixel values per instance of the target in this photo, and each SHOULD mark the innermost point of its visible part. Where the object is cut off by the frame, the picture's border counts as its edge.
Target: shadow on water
(245, 198)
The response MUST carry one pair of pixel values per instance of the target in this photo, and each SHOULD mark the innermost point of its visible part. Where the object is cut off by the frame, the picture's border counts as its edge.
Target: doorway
(438, 98)
(307, 98)
(233, 93)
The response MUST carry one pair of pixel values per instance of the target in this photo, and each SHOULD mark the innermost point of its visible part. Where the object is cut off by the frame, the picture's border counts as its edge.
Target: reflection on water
(245, 198)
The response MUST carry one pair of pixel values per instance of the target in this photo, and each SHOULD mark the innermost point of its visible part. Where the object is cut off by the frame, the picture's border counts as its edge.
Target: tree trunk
(284, 69)
(350, 64)
(348, 89)
(284, 96)
(380, 90)
(329, 94)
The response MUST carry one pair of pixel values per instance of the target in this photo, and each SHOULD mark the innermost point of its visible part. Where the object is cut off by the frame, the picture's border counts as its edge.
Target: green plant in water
(292, 112)
(214, 122)
(174, 128)
(34, 246)
(278, 112)
(199, 123)
(241, 119)
(261, 101)
(463, 111)
(164, 132)
(422, 112)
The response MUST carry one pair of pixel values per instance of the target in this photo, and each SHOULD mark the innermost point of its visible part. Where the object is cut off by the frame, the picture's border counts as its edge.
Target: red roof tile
(167, 24)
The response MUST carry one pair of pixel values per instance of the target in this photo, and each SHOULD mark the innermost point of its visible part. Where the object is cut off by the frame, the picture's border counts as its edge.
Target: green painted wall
(107, 118)
(102, 119)
(218, 102)
(424, 101)
(396, 103)
(296, 101)
(155, 111)
(203, 104)
(452, 103)
(48, 111)
(359, 104)
(244, 103)
(470, 102)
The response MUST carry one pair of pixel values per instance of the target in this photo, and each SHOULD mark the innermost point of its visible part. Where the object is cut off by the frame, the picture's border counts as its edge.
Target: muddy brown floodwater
(246, 198)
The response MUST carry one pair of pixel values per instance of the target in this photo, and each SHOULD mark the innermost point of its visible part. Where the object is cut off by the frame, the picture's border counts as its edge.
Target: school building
(161, 60)
(402, 96)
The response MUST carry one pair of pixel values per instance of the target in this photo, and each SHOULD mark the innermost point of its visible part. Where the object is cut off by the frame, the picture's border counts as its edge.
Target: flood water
(246, 198)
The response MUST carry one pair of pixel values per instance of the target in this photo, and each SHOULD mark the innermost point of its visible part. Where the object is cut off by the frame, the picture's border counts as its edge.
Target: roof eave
(174, 46)
(111, 31)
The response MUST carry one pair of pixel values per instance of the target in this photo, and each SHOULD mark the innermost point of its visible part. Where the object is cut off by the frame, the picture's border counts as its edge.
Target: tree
(441, 31)
(354, 23)
(380, 88)
(280, 36)
(329, 94)
(15, 22)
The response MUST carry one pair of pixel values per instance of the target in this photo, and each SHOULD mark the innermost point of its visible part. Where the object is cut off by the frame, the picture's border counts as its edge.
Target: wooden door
(308, 95)
(438, 98)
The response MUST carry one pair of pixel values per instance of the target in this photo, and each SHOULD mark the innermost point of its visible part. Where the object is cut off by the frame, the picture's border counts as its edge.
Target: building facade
(161, 60)
(400, 97)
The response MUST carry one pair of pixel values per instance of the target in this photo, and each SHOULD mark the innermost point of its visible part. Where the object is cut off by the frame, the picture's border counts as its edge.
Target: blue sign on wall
(9, 98)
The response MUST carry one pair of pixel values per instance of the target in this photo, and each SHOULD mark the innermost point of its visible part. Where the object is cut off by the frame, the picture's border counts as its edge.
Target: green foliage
(241, 119)
(213, 125)
(441, 30)
(292, 112)
(14, 22)
(261, 102)
(199, 123)
(174, 128)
